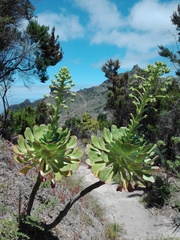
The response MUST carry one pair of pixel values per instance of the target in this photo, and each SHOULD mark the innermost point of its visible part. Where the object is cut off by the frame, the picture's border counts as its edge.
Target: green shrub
(74, 125)
(159, 193)
(28, 116)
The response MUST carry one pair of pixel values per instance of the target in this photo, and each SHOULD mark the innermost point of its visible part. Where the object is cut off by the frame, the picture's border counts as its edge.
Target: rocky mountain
(91, 100)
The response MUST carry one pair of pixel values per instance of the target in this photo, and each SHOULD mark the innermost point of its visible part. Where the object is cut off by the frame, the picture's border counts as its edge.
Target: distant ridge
(91, 100)
(27, 102)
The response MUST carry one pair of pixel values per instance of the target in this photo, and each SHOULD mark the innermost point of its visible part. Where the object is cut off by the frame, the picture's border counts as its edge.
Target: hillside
(90, 100)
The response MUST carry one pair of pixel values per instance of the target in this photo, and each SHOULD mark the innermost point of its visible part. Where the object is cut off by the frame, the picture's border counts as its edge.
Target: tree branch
(33, 194)
(64, 212)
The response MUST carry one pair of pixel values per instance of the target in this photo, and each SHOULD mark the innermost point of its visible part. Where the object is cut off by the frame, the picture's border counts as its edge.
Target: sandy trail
(125, 208)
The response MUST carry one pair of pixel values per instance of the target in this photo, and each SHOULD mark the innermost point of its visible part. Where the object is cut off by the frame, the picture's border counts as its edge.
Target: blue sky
(93, 31)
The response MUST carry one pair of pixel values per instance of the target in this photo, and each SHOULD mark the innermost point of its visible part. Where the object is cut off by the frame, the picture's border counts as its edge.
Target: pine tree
(27, 51)
(117, 101)
(165, 52)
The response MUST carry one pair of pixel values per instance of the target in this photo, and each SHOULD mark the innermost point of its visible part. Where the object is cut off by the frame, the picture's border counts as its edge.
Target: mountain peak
(135, 68)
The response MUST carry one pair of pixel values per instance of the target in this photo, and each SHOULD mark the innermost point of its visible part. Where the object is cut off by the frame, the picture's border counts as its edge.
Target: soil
(83, 220)
(127, 209)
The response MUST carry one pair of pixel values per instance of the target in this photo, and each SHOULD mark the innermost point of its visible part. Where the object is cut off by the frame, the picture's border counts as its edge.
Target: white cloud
(67, 26)
(131, 58)
(133, 41)
(152, 15)
(147, 26)
(103, 14)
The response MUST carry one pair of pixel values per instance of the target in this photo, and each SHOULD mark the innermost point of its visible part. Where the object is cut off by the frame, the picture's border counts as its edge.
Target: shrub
(159, 193)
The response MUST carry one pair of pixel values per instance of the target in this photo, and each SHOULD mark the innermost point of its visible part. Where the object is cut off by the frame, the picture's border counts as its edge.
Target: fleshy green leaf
(98, 142)
(149, 179)
(37, 146)
(115, 131)
(51, 146)
(106, 174)
(141, 157)
(17, 150)
(21, 145)
(118, 133)
(127, 148)
(93, 156)
(39, 131)
(107, 135)
(102, 144)
(19, 159)
(134, 167)
(70, 167)
(58, 176)
(89, 162)
(44, 153)
(76, 154)
(29, 147)
(72, 142)
(28, 134)
(104, 157)
(97, 168)
(25, 169)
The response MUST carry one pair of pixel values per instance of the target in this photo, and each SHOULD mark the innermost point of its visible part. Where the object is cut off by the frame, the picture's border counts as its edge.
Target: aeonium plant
(122, 152)
(49, 148)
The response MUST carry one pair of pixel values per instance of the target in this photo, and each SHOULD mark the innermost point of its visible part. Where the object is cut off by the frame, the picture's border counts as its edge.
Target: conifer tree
(166, 52)
(29, 50)
(24, 51)
(117, 101)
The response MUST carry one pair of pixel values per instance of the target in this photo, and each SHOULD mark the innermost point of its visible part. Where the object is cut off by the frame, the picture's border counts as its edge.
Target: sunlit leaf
(96, 168)
(93, 156)
(104, 157)
(72, 142)
(70, 167)
(102, 145)
(89, 162)
(106, 174)
(107, 135)
(115, 131)
(21, 144)
(19, 159)
(25, 169)
(95, 141)
(149, 179)
(28, 134)
(17, 150)
(58, 176)
(29, 147)
(39, 131)
(118, 133)
(76, 154)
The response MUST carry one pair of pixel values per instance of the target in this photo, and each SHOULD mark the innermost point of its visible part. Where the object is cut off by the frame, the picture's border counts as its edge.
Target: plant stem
(33, 194)
(64, 212)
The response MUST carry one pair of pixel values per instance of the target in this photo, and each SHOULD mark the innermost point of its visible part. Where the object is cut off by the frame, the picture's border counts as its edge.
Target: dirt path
(125, 208)
(120, 207)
